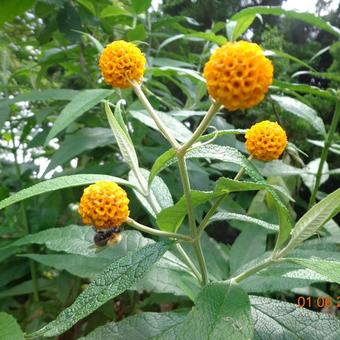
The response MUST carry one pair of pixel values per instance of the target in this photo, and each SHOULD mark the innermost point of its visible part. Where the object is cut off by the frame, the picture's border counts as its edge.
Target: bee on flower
(105, 206)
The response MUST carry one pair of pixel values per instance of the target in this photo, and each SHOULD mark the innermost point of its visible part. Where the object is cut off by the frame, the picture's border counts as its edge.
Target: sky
(305, 5)
(300, 5)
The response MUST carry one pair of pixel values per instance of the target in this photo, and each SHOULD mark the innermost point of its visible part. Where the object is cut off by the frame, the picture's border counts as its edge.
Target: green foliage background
(49, 54)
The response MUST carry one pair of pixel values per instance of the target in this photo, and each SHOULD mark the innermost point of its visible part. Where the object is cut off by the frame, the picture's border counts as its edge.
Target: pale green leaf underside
(143, 326)
(59, 183)
(330, 269)
(314, 219)
(114, 280)
(285, 321)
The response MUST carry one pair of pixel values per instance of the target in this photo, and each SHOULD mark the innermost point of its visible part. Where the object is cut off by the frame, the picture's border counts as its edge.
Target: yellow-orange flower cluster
(238, 75)
(266, 140)
(120, 62)
(104, 205)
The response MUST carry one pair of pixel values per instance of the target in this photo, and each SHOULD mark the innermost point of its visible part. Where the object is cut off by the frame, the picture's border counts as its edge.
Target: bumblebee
(106, 237)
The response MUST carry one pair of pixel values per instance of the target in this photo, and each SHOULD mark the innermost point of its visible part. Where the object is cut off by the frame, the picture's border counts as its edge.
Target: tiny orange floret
(121, 62)
(266, 140)
(104, 205)
(238, 75)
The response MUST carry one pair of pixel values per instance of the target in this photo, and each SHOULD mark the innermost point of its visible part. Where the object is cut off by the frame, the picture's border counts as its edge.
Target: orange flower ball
(238, 75)
(266, 140)
(121, 62)
(104, 205)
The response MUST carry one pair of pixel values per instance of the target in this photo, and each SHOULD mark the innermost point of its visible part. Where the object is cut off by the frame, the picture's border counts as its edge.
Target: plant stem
(33, 269)
(251, 271)
(325, 150)
(201, 127)
(186, 259)
(162, 128)
(217, 203)
(134, 224)
(192, 223)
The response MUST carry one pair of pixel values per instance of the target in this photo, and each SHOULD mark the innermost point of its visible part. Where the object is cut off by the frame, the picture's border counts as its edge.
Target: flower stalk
(324, 153)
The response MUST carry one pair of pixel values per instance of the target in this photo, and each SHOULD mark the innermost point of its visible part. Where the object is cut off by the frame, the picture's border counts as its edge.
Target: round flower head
(104, 205)
(121, 62)
(238, 75)
(266, 140)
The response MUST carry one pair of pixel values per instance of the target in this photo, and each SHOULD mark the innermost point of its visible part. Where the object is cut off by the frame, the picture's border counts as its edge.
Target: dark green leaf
(301, 110)
(82, 102)
(306, 17)
(222, 311)
(58, 183)
(141, 5)
(249, 244)
(11, 8)
(114, 280)
(75, 144)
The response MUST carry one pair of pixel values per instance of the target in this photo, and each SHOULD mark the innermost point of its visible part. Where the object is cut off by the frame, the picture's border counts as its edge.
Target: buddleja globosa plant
(238, 76)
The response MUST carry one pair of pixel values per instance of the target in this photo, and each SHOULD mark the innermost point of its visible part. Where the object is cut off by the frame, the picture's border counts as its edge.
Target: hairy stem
(141, 227)
(217, 203)
(186, 259)
(162, 128)
(252, 271)
(201, 127)
(192, 223)
(325, 150)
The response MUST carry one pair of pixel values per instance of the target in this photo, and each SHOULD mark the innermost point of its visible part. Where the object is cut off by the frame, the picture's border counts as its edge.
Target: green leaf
(158, 192)
(122, 137)
(301, 110)
(282, 85)
(306, 17)
(225, 216)
(37, 95)
(144, 326)
(211, 151)
(82, 140)
(141, 5)
(82, 102)
(171, 218)
(330, 269)
(71, 239)
(114, 280)
(9, 328)
(113, 11)
(88, 5)
(178, 129)
(12, 8)
(275, 319)
(249, 244)
(78, 265)
(236, 28)
(25, 288)
(58, 183)
(216, 256)
(314, 219)
(311, 169)
(222, 311)
(290, 57)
